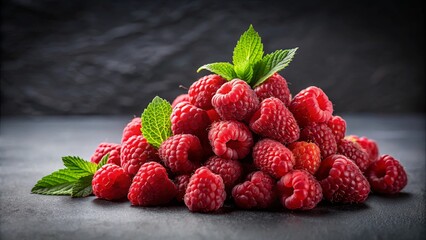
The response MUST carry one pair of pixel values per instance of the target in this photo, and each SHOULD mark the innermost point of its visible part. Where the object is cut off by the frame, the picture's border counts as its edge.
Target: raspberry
(229, 170)
(272, 157)
(230, 139)
(354, 152)
(111, 182)
(298, 189)
(181, 185)
(205, 191)
(257, 192)
(274, 86)
(181, 153)
(322, 136)
(235, 100)
(189, 119)
(307, 156)
(151, 186)
(133, 128)
(201, 92)
(213, 115)
(113, 149)
(337, 126)
(273, 120)
(386, 175)
(369, 145)
(342, 181)
(179, 99)
(311, 105)
(135, 152)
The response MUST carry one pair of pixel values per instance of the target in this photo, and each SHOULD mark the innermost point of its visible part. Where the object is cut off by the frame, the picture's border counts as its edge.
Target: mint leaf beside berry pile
(240, 137)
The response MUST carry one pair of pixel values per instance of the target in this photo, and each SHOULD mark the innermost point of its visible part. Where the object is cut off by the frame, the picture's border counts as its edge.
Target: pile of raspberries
(253, 148)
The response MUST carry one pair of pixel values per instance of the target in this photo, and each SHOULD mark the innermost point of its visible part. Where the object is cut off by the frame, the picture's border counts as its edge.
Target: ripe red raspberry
(274, 86)
(229, 170)
(201, 92)
(342, 181)
(110, 182)
(151, 186)
(205, 191)
(257, 192)
(230, 139)
(189, 119)
(113, 149)
(298, 189)
(307, 156)
(133, 128)
(181, 153)
(179, 99)
(181, 185)
(369, 145)
(337, 126)
(386, 175)
(235, 100)
(311, 105)
(273, 158)
(213, 115)
(273, 120)
(354, 152)
(322, 136)
(135, 152)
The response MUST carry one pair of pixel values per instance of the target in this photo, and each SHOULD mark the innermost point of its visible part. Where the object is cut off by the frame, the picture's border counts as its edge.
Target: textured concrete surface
(110, 57)
(31, 148)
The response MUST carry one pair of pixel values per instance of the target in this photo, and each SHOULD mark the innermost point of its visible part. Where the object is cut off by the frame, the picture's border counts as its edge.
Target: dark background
(113, 57)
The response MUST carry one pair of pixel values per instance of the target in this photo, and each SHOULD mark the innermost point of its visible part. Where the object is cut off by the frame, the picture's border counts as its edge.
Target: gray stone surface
(31, 147)
(111, 57)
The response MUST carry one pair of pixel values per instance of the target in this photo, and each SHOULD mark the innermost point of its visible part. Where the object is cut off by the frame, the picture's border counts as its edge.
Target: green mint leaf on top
(272, 63)
(79, 166)
(224, 69)
(103, 161)
(57, 183)
(156, 124)
(244, 71)
(83, 187)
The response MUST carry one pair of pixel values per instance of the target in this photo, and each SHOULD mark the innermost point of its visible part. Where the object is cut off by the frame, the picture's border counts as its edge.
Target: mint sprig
(156, 124)
(249, 64)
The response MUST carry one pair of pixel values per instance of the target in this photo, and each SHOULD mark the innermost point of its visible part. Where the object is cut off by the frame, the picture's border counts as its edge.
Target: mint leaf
(156, 124)
(224, 69)
(272, 63)
(83, 187)
(103, 161)
(57, 183)
(244, 71)
(79, 166)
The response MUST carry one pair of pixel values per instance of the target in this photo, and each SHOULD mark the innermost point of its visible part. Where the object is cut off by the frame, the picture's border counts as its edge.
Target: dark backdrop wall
(113, 57)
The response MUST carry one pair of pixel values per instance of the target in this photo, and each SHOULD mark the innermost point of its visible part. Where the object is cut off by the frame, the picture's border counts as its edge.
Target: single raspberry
(111, 182)
(181, 185)
(273, 157)
(189, 119)
(151, 186)
(354, 152)
(179, 99)
(181, 153)
(132, 128)
(104, 148)
(274, 86)
(135, 152)
(257, 192)
(307, 156)
(386, 175)
(273, 120)
(338, 126)
(229, 170)
(201, 92)
(311, 105)
(298, 189)
(322, 136)
(369, 145)
(230, 139)
(205, 191)
(213, 115)
(235, 100)
(342, 181)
